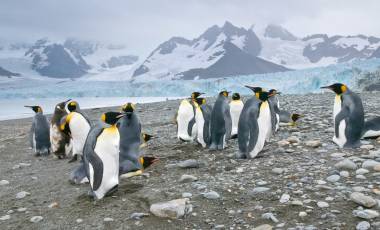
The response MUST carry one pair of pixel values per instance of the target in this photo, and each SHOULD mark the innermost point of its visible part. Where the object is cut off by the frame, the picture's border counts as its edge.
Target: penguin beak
(326, 87)
(65, 102)
(278, 93)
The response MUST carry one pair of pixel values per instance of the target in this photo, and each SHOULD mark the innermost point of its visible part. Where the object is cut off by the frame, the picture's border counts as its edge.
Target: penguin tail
(148, 161)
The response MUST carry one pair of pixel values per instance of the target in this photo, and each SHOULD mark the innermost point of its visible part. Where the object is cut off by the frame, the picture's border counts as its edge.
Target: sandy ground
(235, 180)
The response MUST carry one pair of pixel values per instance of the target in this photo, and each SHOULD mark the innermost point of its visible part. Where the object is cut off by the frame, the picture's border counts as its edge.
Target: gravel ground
(295, 183)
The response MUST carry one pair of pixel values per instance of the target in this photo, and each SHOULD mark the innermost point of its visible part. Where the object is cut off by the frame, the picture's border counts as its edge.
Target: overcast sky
(144, 24)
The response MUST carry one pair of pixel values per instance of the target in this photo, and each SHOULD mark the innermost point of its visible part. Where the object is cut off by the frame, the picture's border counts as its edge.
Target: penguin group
(252, 123)
(108, 149)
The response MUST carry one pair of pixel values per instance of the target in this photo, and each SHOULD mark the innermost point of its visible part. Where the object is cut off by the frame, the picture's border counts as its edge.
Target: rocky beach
(301, 180)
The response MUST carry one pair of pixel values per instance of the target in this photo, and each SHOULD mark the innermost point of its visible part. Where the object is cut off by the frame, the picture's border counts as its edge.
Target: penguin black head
(128, 108)
(200, 101)
(263, 96)
(274, 91)
(254, 89)
(338, 88)
(236, 96)
(146, 137)
(224, 93)
(73, 106)
(35, 108)
(147, 161)
(61, 106)
(295, 117)
(111, 117)
(195, 95)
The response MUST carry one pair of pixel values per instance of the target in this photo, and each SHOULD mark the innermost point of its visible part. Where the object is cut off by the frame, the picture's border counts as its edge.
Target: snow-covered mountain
(229, 50)
(71, 58)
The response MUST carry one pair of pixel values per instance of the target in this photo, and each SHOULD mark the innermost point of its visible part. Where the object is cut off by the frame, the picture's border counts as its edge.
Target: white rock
(212, 195)
(36, 219)
(79, 220)
(366, 214)
(363, 200)
(333, 178)
(22, 194)
(4, 182)
(364, 225)
(344, 174)
(284, 198)
(322, 204)
(187, 178)
(370, 164)
(107, 219)
(187, 195)
(346, 164)
(368, 147)
(171, 209)
(313, 143)
(6, 217)
(278, 170)
(302, 214)
(361, 171)
(263, 227)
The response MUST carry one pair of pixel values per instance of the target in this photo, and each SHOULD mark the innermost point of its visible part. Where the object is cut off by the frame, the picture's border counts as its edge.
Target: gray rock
(363, 200)
(322, 204)
(79, 220)
(6, 217)
(346, 164)
(361, 171)
(333, 178)
(313, 143)
(190, 163)
(138, 215)
(370, 164)
(22, 194)
(278, 170)
(186, 195)
(4, 182)
(36, 219)
(187, 178)
(344, 174)
(171, 209)
(269, 216)
(259, 190)
(363, 225)
(365, 214)
(284, 198)
(212, 195)
(263, 227)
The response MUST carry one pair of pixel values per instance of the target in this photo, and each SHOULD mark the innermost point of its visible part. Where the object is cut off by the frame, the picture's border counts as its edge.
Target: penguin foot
(73, 159)
(112, 190)
(91, 194)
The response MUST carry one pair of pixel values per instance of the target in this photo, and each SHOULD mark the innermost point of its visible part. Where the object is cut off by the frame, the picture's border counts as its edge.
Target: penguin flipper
(339, 117)
(228, 122)
(97, 165)
(31, 135)
(253, 134)
(190, 127)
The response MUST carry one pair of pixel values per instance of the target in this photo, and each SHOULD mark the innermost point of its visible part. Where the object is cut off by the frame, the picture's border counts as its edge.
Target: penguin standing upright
(236, 105)
(101, 156)
(254, 124)
(185, 118)
(220, 123)
(202, 119)
(60, 141)
(79, 126)
(348, 116)
(39, 132)
(131, 139)
(274, 106)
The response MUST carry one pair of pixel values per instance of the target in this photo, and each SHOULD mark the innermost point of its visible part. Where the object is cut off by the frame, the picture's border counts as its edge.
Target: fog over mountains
(219, 52)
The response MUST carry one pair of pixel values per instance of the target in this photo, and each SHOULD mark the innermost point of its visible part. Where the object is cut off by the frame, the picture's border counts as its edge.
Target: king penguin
(60, 141)
(131, 140)
(274, 104)
(236, 106)
(202, 119)
(289, 118)
(101, 156)
(39, 132)
(79, 126)
(348, 116)
(220, 123)
(185, 118)
(371, 128)
(254, 124)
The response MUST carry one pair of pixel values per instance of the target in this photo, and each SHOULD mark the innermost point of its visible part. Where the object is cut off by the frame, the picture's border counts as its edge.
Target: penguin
(371, 128)
(220, 122)
(185, 118)
(289, 118)
(144, 139)
(236, 105)
(39, 132)
(202, 119)
(348, 116)
(131, 140)
(254, 124)
(60, 141)
(79, 126)
(101, 156)
(274, 104)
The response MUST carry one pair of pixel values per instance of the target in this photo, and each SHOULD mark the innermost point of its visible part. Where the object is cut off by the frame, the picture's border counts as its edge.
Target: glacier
(290, 82)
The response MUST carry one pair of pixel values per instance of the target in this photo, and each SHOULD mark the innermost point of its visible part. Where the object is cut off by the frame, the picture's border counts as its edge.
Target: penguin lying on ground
(348, 116)
(254, 124)
(202, 119)
(39, 132)
(289, 118)
(371, 128)
(185, 118)
(236, 105)
(220, 123)
(60, 141)
(101, 156)
(131, 140)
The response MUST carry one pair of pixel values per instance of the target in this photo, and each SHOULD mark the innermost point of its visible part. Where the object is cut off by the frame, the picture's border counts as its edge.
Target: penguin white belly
(235, 110)
(34, 143)
(341, 140)
(277, 121)
(199, 120)
(107, 148)
(264, 124)
(184, 116)
(79, 128)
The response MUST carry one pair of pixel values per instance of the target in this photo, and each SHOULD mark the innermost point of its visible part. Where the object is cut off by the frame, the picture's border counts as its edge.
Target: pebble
(302, 214)
(278, 170)
(344, 174)
(263, 227)
(370, 164)
(171, 209)
(79, 220)
(361, 171)
(283, 143)
(366, 214)
(138, 215)
(187, 195)
(284, 198)
(376, 168)
(346, 164)
(368, 147)
(259, 190)
(22, 194)
(21, 209)
(269, 216)
(212, 195)
(36, 219)
(53, 205)
(190, 163)
(322, 204)
(363, 200)
(4, 182)
(364, 225)
(187, 178)
(296, 203)
(6, 217)
(333, 178)
(293, 139)
(107, 219)
(313, 143)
